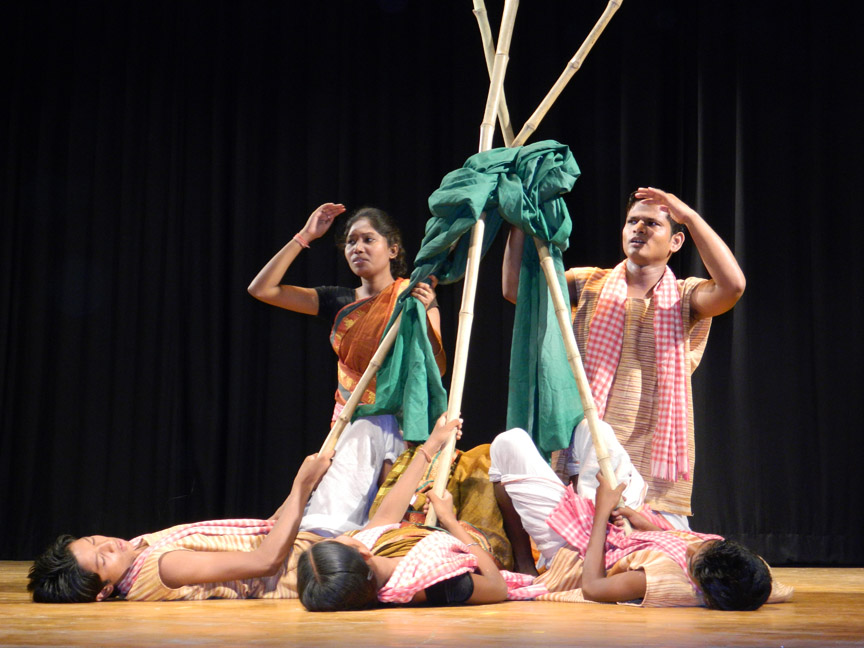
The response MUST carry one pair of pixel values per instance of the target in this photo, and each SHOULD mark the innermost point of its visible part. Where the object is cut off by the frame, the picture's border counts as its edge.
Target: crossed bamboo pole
(466, 313)
(496, 103)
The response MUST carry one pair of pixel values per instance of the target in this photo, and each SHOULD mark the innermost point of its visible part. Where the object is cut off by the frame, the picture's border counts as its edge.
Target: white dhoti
(584, 462)
(342, 499)
(536, 490)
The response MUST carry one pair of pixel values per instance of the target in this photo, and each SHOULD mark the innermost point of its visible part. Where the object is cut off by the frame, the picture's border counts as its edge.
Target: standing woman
(373, 248)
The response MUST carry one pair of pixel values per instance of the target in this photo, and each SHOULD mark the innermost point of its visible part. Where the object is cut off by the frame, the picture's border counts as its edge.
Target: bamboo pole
(562, 313)
(489, 50)
(499, 70)
(571, 69)
(372, 368)
(466, 312)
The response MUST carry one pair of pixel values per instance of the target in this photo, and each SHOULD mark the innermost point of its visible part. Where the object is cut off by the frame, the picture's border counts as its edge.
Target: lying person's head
(80, 570)
(730, 576)
(335, 575)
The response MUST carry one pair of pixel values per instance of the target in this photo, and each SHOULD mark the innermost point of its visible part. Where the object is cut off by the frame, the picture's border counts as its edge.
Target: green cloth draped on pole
(523, 186)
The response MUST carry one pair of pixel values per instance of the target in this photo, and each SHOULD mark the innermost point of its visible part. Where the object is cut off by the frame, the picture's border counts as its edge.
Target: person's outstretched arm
(596, 585)
(396, 502)
(512, 264)
(266, 287)
(178, 568)
(727, 281)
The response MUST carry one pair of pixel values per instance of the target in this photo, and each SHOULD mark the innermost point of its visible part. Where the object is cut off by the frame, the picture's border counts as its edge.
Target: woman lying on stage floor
(389, 561)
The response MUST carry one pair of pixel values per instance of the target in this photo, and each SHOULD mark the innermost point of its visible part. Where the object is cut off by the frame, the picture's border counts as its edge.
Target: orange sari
(356, 331)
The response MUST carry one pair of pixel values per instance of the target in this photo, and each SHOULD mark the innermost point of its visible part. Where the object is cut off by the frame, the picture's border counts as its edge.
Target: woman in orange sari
(373, 248)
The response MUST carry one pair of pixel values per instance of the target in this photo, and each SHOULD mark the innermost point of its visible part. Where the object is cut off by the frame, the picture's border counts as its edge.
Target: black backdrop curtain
(155, 155)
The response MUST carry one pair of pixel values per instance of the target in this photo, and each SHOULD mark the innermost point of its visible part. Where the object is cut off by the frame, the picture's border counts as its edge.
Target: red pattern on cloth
(573, 518)
(337, 410)
(238, 526)
(521, 587)
(606, 332)
(435, 558)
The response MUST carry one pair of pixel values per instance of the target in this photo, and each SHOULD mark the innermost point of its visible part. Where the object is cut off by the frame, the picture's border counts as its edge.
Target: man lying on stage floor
(224, 558)
(591, 559)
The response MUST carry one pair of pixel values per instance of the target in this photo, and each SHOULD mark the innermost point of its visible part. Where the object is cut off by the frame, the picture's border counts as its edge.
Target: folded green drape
(522, 186)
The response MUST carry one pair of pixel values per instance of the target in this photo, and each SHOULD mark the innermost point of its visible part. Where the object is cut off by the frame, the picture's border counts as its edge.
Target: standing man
(641, 333)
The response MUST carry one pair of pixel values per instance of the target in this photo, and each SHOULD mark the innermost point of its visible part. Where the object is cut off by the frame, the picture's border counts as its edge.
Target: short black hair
(56, 576)
(674, 225)
(332, 576)
(732, 577)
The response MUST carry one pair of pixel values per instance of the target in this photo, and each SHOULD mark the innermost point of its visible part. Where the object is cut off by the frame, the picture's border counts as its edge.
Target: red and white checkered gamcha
(435, 558)
(239, 526)
(573, 518)
(605, 339)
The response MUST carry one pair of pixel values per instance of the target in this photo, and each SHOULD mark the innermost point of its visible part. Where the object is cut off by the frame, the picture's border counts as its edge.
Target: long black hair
(332, 576)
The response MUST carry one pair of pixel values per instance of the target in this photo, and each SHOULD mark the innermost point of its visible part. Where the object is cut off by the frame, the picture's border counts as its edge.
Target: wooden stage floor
(828, 610)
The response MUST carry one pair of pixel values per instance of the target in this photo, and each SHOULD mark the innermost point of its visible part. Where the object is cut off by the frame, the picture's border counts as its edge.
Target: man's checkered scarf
(605, 339)
(573, 518)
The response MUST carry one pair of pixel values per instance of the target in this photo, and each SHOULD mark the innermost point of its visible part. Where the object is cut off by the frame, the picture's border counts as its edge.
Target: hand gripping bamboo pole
(372, 368)
(571, 69)
(466, 312)
(562, 313)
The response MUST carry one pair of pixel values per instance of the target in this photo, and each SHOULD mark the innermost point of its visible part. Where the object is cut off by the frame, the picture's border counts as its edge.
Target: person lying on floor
(233, 558)
(241, 558)
(591, 559)
(393, 562)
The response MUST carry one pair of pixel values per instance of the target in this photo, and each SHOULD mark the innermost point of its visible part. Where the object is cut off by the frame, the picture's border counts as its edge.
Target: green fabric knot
(522, 186)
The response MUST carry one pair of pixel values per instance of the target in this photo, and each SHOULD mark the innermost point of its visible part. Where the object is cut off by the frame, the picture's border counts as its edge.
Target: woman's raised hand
(320, 220)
